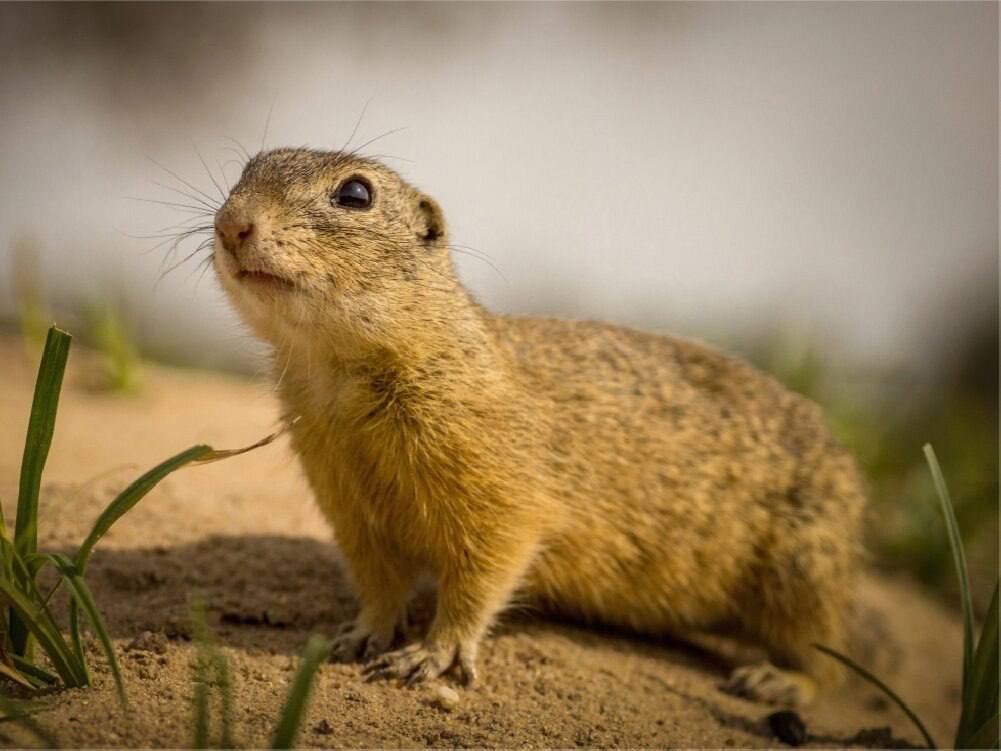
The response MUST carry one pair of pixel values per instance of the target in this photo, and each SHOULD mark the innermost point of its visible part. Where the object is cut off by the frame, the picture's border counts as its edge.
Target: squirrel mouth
(263, 278)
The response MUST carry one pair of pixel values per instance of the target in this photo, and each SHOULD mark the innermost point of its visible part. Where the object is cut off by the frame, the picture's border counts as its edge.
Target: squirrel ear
(430, 221)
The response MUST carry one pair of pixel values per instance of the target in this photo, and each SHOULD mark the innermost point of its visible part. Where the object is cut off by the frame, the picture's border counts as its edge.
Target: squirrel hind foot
(772, 685)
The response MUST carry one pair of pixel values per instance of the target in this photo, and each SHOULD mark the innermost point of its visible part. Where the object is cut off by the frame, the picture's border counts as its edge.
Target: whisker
(267, 121)
(497, 271)
(201, 246)
(174, 242)
(213, 207)
(290, 343)
(240, 146)
(201, 159)
(369, 142)
(478, 255)
(172, 253)
(203, 266)
(240, 164)
(197, 210)
(354, 130)
(238, 156)
(225, 178)
(182, 231)
(390, 156)
(203, 194)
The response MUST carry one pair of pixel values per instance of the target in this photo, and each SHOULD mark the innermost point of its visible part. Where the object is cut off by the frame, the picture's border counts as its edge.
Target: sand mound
(244, 536)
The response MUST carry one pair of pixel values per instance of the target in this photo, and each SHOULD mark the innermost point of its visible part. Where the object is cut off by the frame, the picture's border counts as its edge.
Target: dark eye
(353, 193)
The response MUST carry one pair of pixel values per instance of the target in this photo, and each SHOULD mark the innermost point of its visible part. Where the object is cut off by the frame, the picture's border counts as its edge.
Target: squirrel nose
(233, 231)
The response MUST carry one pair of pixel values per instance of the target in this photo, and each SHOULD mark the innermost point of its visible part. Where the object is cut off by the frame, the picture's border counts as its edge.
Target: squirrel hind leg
(801, 599)
(796, 670)
(802, 592)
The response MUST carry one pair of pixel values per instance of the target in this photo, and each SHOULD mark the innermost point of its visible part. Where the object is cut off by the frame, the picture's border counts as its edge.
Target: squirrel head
(311, 240)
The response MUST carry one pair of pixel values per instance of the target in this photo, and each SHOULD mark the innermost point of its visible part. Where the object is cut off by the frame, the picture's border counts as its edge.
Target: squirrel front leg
(471, 591)
(383, 586)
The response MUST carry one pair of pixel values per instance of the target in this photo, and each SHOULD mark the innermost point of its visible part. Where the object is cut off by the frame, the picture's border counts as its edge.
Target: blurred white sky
(709, 169)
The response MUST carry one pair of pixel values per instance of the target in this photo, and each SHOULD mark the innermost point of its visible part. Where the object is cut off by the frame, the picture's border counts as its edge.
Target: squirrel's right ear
(429, 222)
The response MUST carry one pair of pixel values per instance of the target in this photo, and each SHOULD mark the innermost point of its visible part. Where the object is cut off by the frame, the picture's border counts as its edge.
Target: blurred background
(811, 185)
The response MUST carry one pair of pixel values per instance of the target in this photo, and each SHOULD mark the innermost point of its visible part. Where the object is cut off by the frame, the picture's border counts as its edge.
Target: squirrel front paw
(423, 661)
(354, 641)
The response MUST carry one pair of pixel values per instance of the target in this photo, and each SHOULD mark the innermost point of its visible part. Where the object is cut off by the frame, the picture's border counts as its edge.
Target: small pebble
(788, 727)
(446, 698)
(323, 728)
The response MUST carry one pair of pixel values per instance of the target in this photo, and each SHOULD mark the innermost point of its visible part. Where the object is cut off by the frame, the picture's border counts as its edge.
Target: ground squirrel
(615, 476)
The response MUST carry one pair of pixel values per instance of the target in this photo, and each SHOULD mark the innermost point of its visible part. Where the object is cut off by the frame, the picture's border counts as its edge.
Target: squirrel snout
(233, 231)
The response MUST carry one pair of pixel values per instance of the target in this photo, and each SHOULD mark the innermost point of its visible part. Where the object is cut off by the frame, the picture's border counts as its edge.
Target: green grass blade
(211, 671)
(25, 570)
(882, 687)
(20, 712)
(15, 675)
(7, 573)
(76, 639)
(7, 557)
(109, 334)
(29, 588)
(200, 700)
(317, 651)
(131, 496)
(986, 736)
(83, 597)
(48, 636)
(980, 705)
(201, 707)
(33, 671)
(34, 563)
(135, 492)
(225, 683)
(38, 439)
(4, 532)
(41, 426)
(959, 559)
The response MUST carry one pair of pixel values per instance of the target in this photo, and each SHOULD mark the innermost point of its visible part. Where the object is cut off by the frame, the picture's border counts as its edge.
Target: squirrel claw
(417, 663)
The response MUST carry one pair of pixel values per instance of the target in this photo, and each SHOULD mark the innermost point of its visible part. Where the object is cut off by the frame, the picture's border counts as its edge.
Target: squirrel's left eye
(354, 194)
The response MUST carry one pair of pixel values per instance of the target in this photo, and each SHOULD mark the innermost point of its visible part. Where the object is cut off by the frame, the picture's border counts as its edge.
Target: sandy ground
(244, 536)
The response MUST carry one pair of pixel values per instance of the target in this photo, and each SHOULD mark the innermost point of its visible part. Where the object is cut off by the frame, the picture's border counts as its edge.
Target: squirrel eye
(353, 193)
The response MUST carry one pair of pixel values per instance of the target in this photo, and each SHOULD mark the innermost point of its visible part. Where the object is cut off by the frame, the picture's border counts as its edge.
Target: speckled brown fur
(615, 476)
